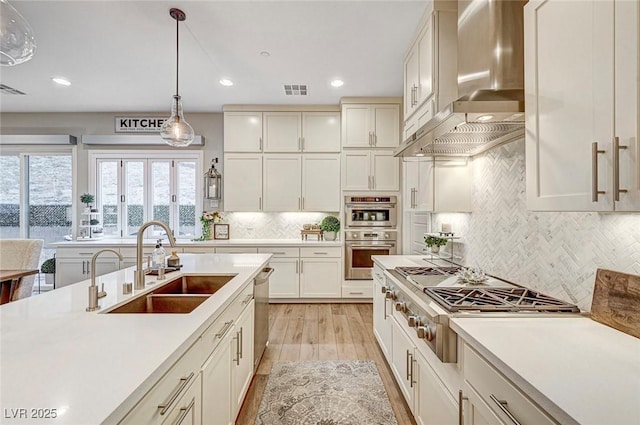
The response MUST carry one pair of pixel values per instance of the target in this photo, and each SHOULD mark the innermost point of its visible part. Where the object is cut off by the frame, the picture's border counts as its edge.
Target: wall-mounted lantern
(213, 182)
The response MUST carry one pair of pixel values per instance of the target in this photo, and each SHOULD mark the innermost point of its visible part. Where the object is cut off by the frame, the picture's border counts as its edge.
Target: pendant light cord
(177, 55)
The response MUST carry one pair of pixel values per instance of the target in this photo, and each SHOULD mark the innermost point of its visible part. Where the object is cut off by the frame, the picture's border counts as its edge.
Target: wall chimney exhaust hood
(490, 111)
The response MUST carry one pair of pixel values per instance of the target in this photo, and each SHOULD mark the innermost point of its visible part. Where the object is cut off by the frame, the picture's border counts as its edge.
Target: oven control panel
(370, 235)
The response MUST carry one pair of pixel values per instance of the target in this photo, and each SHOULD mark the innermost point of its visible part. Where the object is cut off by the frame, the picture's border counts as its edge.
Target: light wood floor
(321, 332)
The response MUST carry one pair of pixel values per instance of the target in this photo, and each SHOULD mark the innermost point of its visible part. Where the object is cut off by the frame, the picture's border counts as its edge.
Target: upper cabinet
(370, 170)
(582, 100)
(430, 65)
(370, 125)
(276, 130)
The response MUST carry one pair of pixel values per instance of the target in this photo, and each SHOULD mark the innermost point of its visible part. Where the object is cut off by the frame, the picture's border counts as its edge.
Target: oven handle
(372, 246)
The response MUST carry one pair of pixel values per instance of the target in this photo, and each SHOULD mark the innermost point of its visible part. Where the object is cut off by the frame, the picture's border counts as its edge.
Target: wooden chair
(18, 254)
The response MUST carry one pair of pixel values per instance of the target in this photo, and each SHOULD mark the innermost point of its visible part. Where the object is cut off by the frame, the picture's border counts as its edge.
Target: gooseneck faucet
(138, 277)
(93, 288)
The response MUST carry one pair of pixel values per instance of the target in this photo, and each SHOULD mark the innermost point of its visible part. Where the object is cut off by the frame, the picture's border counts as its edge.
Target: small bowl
(306, 226)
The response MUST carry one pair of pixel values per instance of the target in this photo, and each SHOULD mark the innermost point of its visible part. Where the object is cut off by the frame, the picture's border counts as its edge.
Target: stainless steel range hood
(490, 110)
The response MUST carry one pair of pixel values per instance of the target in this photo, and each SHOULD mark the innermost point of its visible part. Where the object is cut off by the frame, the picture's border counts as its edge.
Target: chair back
(18, 254)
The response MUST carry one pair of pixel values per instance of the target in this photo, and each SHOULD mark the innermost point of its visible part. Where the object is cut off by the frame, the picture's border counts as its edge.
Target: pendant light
(212, 182)
(176, 131)
(17, 44)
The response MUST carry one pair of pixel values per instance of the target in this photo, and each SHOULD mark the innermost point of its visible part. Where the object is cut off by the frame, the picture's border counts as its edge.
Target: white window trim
(197, 156)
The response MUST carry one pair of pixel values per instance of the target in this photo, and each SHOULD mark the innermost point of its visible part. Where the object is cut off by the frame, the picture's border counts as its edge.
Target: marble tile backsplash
(554, 252)
(256, 225)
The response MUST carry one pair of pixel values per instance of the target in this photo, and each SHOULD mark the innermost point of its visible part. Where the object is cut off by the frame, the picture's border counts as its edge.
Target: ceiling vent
(10, 90)
(295, 89)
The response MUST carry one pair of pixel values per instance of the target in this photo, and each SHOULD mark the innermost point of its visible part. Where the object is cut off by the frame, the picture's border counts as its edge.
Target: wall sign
(139, 124)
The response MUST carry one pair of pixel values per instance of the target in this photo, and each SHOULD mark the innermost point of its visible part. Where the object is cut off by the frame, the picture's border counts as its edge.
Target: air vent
(295, 89)
(10, 90)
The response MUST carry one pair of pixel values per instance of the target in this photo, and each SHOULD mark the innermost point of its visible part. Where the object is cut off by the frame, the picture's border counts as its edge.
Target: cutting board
(616, 301)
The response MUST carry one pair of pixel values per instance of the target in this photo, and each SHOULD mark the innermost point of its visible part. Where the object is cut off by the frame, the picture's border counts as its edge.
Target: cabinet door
(451, 186)
(282, 131)
(411, 81)
(434, 405)
(569, 86)
(188, 410)
(321, 131)
(242, 132)
(356, 126)
(385, 171)
(282, 183)
(381, 317)
(70, 271)
(402, 361)
(284, 283)
(321, 183)
(320, 278)
(242, 182)
(410, 183)
(476, 411)
(243, 357)
(386, 129)
(424, 190)
(426, 63)
(356, 170)
(216, 383)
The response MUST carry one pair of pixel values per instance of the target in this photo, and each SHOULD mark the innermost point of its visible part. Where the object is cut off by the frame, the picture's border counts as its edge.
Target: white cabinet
(216, 383)
(243, 357)
(242, 132)
(416, 224)
(74, 264)
(381, 312)
(370, 125)
(320, 272)
(242, 182)
(282, 183)
(188, 409)
(438, 186)
(403, 362)
(321, 132)
(301, 131)
(431, 62)
(282, 131)
(320, 182)
(418, 185)
(581, 88)
(370, 170)
(284, 282)
(433, 403)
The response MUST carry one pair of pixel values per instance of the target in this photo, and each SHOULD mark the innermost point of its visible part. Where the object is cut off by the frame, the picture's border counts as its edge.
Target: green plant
(330, 224)
(48, 266)
(430, 241)
(94, 222)
(87, 199)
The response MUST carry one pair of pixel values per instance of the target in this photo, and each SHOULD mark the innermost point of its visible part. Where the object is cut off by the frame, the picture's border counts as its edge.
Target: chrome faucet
(138, 277)
(93, 289)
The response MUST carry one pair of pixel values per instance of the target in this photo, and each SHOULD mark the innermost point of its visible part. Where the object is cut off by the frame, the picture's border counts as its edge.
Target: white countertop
(91, 367)
(189, 242)
(578, 370)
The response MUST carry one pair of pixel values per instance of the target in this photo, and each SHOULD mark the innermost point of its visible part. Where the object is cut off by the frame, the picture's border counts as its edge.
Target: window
(136, 187)
(36, 194)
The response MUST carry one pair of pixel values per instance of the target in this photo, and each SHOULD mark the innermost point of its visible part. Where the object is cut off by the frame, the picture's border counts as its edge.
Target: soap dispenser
(162, 255)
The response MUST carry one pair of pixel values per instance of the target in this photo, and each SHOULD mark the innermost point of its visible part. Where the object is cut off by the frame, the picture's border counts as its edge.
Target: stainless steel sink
(181, 295)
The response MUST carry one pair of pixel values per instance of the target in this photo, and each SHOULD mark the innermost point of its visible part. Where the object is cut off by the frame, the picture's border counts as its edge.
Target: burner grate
(426, 271)
(497, 299)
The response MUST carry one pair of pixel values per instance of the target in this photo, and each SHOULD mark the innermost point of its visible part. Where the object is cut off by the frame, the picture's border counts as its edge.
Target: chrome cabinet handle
(237, 338)
(299, 204)
(301, 266)
(248, 299)
(184, 412)
(174, 396)
(502, 404)
(407, 365)
(225, 328)
(260, 139)
(461, 398)
(414, 95)
(299, 143)
(616, 169)
(370, 142)
(412, 381)
(595, 193)
(373, 182)
(260, 202)
(83, 266)
(278, 253)
(296, 267)
(302, 143)
(320, 253)
(303, 202)
(375, 139)
(385, 308)
(240, 355)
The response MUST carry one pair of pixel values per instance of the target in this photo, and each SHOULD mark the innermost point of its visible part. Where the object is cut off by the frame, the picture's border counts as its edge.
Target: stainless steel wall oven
(360, 245)
(370, 211)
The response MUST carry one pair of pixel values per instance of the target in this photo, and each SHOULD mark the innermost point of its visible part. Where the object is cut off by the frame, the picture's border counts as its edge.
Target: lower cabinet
(216, 383)
(242, 362)
(284, 282)
(74, 267)
(381, 313)
(188, 409)
(433, 403)
(403, 362)
(320, 272)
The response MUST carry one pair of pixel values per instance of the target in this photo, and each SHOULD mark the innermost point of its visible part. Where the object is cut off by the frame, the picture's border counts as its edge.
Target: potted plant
(87, 199)
(435, 242)
(94, 222)
(48, 267)
(330, 225)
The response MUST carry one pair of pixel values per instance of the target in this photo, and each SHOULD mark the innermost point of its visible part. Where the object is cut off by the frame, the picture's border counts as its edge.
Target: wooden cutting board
(616, 301)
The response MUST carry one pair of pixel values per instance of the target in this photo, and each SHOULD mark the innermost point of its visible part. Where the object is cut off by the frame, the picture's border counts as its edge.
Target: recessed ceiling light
(226, 82)
(265, 54)
(61, 81)
(337, 83)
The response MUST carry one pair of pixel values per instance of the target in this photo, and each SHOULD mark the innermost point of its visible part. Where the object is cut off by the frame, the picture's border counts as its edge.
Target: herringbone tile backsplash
(269, 225)
(556, 253)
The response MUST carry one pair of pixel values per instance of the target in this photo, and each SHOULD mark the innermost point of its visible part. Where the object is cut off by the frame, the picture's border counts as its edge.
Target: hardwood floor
(321, 332)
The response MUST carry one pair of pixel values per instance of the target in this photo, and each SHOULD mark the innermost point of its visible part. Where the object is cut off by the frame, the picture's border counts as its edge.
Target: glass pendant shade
(213, 182)
(17, 43)
(176, 131)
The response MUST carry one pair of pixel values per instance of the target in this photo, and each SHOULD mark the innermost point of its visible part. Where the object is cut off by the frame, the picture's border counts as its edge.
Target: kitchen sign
(139, 124)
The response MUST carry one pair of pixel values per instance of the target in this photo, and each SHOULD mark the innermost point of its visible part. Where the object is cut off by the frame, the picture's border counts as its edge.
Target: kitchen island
(92, 367)
(548, 368)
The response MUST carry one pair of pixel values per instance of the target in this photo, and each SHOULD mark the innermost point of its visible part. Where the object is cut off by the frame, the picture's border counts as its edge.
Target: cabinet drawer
(168, 390)
(219, 328)
(329, 251)
(86, 252)
(236, 250)
(283, 252)
(494, 388)
(199, 249)
(358, 290)
(146, 251)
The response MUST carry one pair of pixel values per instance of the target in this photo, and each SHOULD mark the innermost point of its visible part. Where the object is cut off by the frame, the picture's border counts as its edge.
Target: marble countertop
(188, 242)
(92, 367)
(578, 370)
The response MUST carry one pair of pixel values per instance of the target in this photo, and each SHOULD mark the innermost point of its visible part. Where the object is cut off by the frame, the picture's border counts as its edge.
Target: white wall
(554, 252)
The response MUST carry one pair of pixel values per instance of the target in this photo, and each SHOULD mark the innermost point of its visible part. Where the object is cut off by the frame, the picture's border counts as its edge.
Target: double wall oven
(370, 230)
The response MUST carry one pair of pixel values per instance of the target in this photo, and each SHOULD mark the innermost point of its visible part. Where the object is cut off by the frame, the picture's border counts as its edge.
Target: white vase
(435, 249)
(330, 236)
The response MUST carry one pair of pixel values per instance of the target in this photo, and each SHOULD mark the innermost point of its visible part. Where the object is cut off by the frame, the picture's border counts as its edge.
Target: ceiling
(121, 55)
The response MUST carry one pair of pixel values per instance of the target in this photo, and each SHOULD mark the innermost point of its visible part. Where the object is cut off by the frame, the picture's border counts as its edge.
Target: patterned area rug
(325, 393)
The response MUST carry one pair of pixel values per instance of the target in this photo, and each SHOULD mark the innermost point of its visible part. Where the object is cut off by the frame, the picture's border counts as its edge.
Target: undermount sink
(181, 295)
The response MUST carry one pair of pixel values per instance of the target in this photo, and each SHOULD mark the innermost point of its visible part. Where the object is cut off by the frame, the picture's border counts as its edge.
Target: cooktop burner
(497, 299)
(427, 271)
